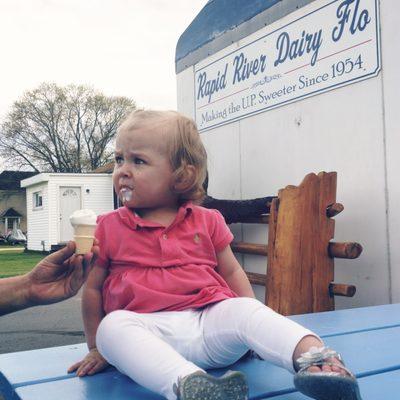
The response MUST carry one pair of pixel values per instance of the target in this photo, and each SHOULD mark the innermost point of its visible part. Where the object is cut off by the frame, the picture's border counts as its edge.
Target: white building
(283, 88)
(53, 197)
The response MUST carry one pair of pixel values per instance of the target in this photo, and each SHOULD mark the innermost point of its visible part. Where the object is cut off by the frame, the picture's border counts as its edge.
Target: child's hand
(90, 365)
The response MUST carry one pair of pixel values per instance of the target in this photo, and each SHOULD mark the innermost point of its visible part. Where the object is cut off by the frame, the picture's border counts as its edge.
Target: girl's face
(142, 174)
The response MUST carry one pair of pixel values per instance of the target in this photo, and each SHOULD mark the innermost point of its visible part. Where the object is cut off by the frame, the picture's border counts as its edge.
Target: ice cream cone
(84, 224)
(83, 237)
(84, 230)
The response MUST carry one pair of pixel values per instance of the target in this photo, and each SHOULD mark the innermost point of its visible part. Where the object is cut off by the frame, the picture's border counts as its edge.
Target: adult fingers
(77, 273)
(61, 255)
(95, 250)
(87, 264)
(90, 258)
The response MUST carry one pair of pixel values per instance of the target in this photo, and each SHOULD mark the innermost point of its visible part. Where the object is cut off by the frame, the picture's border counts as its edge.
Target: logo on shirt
(196, 238)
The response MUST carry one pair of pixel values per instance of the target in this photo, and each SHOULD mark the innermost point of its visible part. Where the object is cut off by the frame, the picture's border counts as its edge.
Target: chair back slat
(300, 253)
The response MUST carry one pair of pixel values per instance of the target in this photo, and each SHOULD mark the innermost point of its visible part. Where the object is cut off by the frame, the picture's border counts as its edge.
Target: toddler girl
(167, 299)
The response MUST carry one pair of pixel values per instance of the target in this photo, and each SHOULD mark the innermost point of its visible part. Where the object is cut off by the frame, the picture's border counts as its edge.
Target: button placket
(170, 249)
(163, 246)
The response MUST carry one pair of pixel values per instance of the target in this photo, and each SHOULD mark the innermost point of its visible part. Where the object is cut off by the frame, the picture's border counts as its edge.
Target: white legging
(156, 349)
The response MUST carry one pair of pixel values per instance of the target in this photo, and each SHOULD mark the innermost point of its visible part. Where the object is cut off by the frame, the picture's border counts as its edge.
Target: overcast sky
(121, 47)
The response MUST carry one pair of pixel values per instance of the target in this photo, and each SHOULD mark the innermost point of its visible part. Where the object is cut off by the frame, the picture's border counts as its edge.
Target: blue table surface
(366, 337)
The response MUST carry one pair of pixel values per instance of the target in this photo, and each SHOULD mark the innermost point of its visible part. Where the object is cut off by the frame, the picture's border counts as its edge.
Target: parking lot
(44, 326)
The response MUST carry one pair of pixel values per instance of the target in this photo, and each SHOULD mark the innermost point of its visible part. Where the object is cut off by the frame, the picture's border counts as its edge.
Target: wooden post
(249, 248)
(345, 250)
(341, 289)
(334, 209)
(299, 267)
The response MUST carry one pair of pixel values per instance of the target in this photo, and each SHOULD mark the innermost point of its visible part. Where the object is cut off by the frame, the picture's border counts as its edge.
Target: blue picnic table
(368, 339)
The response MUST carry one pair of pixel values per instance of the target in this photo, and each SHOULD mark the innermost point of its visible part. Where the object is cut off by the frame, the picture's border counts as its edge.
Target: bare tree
(62, 129)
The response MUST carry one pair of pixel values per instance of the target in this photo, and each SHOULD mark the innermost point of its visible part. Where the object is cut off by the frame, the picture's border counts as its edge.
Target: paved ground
(45, 326)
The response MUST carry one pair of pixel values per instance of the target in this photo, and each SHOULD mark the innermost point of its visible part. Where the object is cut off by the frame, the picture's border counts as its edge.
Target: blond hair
(184, 148)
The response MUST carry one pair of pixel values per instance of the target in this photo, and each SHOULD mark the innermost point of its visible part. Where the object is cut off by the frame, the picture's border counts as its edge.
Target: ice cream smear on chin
(125, 194)
(83, 217)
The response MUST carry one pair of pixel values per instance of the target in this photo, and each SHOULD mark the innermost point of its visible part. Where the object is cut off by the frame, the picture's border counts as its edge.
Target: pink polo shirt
(157, 268)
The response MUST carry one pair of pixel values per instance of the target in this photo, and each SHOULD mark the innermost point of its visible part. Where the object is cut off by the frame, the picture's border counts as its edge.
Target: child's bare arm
(92, 311)
(230, 269)
(92, 304)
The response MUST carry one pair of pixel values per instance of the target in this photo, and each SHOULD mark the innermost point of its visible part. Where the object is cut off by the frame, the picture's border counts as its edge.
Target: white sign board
(334, 45)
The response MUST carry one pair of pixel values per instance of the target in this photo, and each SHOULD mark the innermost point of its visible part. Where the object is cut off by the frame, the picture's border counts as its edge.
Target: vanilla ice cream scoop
(83, 217)
(84, 223)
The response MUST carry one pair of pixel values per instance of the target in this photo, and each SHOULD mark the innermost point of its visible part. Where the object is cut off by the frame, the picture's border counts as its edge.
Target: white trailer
(51, 198)
(283, 88)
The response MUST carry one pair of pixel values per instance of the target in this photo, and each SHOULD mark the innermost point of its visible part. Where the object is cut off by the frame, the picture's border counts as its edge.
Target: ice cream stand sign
(331, 46)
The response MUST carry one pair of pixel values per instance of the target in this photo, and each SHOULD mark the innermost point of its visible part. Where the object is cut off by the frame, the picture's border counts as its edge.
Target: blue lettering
(210, 116)
(282, 44)
(307, 43)
(359, 21)
(207, 87)
(244, 69)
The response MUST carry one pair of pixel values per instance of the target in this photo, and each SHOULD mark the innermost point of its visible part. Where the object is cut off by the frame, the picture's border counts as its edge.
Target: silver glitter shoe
(201, 386)
(325, 385)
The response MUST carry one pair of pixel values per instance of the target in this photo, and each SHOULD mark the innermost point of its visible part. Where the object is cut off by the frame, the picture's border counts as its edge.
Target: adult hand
(91, 364)
(59, 275)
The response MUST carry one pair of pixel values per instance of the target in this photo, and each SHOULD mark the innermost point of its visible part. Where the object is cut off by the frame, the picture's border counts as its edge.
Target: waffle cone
(83, 237)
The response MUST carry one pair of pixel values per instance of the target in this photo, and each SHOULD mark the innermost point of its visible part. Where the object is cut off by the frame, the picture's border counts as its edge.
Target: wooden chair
(300, 267)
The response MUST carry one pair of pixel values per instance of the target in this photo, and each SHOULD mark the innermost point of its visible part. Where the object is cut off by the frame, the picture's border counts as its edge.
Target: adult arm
(55, 278)
(13, 294)
(234, 275)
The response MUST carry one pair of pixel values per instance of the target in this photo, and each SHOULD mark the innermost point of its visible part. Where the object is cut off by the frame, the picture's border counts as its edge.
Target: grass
(14, 263)
(9, 246)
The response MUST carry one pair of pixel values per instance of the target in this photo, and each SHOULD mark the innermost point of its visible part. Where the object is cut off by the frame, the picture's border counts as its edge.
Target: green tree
(62, 129)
